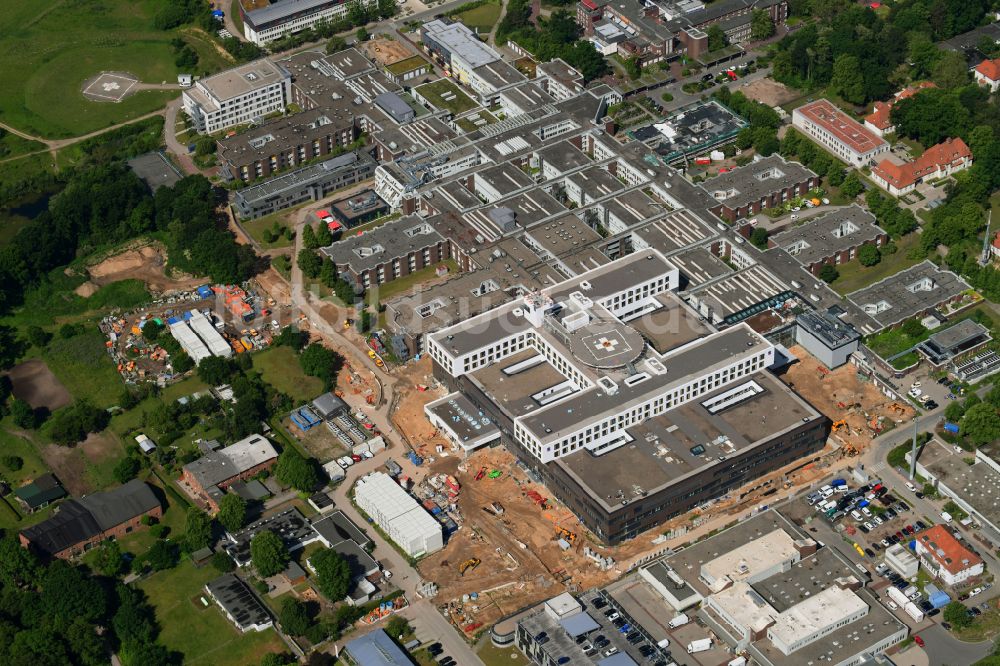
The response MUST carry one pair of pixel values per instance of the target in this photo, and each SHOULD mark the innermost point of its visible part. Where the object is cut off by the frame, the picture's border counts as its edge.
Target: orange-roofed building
(879, 120)
(987, 73)
(945, 557)
(938, 161)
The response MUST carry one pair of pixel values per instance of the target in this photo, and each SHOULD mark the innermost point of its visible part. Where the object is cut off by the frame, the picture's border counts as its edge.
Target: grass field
(854, 276)
(494, 656)
(203, 635)
(257, 228)
(389, 290)
(434, 90)
(50, 47)
(280, 368)
(481, 18)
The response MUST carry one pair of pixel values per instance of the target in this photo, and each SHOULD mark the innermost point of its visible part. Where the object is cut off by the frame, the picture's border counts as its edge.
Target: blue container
(951, 427)
(205, 291)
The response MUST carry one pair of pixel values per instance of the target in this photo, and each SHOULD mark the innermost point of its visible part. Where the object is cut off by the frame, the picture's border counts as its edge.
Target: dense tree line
(555, 37)
(57, 614)
(863, 56)
(107, 204)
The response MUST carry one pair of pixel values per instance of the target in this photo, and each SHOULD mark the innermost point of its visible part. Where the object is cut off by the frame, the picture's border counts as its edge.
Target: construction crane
(470, 563)
(985, 258)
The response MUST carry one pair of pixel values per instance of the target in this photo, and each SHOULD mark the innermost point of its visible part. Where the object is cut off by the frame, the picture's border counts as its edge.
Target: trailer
(699, 645)
(898, 597)
(679, 621)
(914, 612)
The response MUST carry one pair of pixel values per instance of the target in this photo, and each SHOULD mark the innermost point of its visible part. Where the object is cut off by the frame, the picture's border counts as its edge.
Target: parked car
(919, 641)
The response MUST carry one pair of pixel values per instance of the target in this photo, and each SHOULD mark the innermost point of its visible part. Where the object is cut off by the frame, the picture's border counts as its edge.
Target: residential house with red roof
(987, 73)
(879, 120)
(938, 161)
(945, 557)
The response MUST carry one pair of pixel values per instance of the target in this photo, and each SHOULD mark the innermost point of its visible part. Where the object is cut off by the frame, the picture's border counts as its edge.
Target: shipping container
(898, 596)
(914, 612)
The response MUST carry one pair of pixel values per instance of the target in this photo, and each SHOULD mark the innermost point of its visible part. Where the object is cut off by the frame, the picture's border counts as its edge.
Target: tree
(109, 559)
(633, 67)
(318, 361)
(759, 237)
(181, 362)
(162, 555)
(333, 574)
(869, 255)
(950, 70)
(848, 80)
(291, 336)
(852, 185)
(954, 411)
(981, 424)
(294, 617)
(71, 424)
(956, 614)
(222, 562)
(22, 414)
(716, 37)
(197, 530)
(152, 330)
(268, 553)
(126, 469)
(37, 336)
(761, 25)
(397, 626)
(295, 471)
(309, 240)
(13, 463)
(310, 262)
(232, 512)
(10, 347)
(216, 370)
(828, 273)
(324, 237)
(361, 35)
(335, 45)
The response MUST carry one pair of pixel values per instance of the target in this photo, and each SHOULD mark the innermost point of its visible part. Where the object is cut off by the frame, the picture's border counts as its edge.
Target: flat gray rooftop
(676, 230)
(699, 265)
(564, 235)
(499, 74)
(383, 244)
(670, 326)
(242, 79)
(808, 576)
(463, 418)
(460, 41)
(828, 328)
(978, 485)
(664, 449)
(740, 292)
(513, 392)
(688, 562)
(827, 235)
(596, 182)
(564, 156)
(908, 293)
(751, 183)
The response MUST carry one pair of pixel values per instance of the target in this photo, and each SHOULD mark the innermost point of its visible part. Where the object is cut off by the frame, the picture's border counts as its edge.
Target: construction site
(858, 409)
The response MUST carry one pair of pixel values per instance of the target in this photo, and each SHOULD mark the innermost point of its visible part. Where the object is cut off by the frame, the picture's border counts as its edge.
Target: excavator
(566, 534)
(896, 407)
(470, 563)
(837, 425)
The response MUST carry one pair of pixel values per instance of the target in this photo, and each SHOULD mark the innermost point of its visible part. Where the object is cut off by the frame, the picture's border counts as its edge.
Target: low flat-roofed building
(670, 585)
(740, 295)
(699, 265)
(760, 558)
(840, 134)
(815, 617)
(375, 649)
(902, 561)
(309, 183)
(909, 293)
(961, 338)
(672, 231)
(945, 557)
(559, 79)
(765, 183)
(462, 422)
(239, 603)
(974, 488)
(293, 528)
(826, 337)
(831, 238)
(216, 470)
(693, 129)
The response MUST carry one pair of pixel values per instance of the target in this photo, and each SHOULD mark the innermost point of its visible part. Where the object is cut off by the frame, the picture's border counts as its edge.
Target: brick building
(81, 524)
(388, 252)
(208, 477)
(833, 238)
(766, 183)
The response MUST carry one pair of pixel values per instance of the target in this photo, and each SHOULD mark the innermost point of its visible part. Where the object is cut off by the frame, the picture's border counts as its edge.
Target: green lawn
(12, 444)
(433, 92)
(257, 228)
(854, 276)
(389, 290)
(280, 368)
(482, 18)
(494, 656)
(468, 123)
(51, 47)
(893, 341)
(406, 65)
(203, 635)
(84, 367)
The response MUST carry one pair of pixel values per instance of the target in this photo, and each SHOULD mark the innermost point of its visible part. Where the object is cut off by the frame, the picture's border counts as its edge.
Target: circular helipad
(110, 86)
(606, 344)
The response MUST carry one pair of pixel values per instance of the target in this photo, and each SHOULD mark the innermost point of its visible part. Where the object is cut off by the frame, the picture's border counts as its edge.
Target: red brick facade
(772, 200)
(116, 532)
(188, 479)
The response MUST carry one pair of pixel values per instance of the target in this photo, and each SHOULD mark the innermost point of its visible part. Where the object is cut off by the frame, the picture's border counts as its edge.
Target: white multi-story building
(579, 328)
(843, 136)
(398, 514)
(237, 96)
(285, 17)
